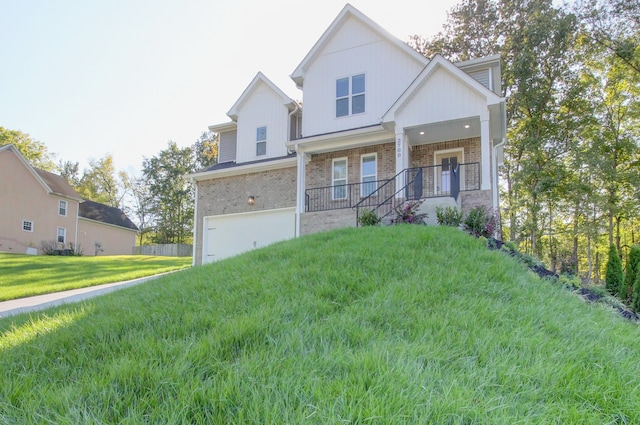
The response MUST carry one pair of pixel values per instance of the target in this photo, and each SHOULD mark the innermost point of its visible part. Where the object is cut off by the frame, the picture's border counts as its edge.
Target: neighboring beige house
(38, 207)
(105, 230)
(381, 125)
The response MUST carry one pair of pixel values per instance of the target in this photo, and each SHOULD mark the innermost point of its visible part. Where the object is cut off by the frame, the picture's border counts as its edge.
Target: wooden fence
(167, 250)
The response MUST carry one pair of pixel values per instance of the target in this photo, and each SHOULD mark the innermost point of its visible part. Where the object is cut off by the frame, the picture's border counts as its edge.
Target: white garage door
(231, 234)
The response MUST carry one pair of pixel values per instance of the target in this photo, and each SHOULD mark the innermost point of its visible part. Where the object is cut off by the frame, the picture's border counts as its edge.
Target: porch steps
(429, 206)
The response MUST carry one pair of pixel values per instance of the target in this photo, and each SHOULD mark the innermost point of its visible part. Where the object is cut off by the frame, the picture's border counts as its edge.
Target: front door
(446, 162)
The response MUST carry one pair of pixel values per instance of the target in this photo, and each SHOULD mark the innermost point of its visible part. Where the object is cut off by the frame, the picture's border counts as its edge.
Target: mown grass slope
(386, 325)
(24, 275)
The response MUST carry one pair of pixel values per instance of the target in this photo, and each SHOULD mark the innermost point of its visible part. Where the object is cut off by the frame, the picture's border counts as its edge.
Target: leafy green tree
(172, 196)
(101, 183)
(614, 26)
(635, 297)
(535, 41)
(614, 277)
(205, 150)
(141, 207)
(631, 273)
(34, 151)
(70, 171)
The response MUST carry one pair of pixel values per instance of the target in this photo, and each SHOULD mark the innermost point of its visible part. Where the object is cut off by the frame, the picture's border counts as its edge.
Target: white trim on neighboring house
(30, 230)
(64, 235)
(66, 207)
(75, 239)
(102, 223)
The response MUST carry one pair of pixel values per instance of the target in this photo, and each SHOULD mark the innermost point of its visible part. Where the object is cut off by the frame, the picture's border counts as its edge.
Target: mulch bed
(587, 294)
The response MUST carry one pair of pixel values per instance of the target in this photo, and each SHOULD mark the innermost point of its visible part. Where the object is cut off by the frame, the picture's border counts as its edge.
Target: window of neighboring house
(62, 208)
(369, 174)
(261, 141)
(350, 92)
(27, 225)
(62, 234)
(339, 178)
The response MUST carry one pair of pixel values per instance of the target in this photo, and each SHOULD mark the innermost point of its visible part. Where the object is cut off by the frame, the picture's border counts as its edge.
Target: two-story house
(381, 125)
(40, 209)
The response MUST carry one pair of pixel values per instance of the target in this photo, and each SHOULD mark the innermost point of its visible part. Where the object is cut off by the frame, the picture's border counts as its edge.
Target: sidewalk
(41, 302)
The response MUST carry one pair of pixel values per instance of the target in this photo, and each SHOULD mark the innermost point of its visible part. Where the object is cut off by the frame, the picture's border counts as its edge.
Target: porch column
(402, 160)
(485, 153)
(303, 158)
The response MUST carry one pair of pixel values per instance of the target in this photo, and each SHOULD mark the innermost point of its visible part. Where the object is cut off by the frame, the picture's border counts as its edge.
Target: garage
(232, 234)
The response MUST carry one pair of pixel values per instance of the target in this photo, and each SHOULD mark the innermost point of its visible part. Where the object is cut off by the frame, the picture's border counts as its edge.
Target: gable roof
(105, 214)
(349, 12)
(52, 183)
(259, 78)
(58, 185)
(439, 62)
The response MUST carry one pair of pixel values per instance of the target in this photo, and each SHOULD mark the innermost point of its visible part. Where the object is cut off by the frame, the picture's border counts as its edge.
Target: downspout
(299, 181)
(75, 239)
(295, 109)
(195, 223)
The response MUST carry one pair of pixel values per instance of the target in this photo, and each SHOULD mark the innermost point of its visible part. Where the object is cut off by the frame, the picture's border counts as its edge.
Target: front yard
(27, 275)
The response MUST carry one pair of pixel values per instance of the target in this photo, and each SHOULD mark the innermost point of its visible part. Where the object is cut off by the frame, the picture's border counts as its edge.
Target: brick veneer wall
(228, 195)
(320, 221)
(319, 169)
(422, 155)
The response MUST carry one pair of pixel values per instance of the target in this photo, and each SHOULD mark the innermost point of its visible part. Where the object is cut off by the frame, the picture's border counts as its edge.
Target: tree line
(159, 200)
(571, 78)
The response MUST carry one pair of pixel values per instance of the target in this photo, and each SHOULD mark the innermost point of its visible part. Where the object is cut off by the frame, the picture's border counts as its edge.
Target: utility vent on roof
(227, 148)
(483, 77)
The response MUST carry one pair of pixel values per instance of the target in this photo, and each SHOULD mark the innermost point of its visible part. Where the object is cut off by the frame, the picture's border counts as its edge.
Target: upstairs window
(261, 141)
(350, 93)
(62, 208)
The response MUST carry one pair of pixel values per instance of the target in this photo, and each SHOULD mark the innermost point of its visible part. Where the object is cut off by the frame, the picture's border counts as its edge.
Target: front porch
(435, 181)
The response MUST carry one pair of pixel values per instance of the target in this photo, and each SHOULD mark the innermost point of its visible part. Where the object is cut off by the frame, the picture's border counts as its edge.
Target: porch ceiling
(443, 131)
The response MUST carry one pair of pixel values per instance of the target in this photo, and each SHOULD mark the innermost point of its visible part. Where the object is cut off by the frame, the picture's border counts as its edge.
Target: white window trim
(66, 207)
(350, 95)
(30, 225)
(266, 136)
(436, 163)
(64, 235)
(362, 176)
(346, 177)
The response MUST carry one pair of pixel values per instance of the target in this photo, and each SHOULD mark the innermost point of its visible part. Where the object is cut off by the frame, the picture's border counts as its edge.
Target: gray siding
(482, 76)
(228, 142)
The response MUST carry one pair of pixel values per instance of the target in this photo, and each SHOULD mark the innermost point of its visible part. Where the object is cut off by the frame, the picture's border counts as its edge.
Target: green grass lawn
(27, 275)
(385, 325)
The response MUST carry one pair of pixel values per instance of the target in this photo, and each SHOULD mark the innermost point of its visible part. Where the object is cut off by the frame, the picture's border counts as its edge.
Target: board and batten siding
(228, 142)
(264, 108)
(355, 49)
(441, 98)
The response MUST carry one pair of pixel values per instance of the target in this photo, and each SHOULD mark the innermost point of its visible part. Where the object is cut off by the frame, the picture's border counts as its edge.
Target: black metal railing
(419, 183)
(341, 196)
(436, 180)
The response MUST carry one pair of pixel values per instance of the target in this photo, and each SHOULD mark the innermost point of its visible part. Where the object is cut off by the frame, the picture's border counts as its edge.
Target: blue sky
(123, 77)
